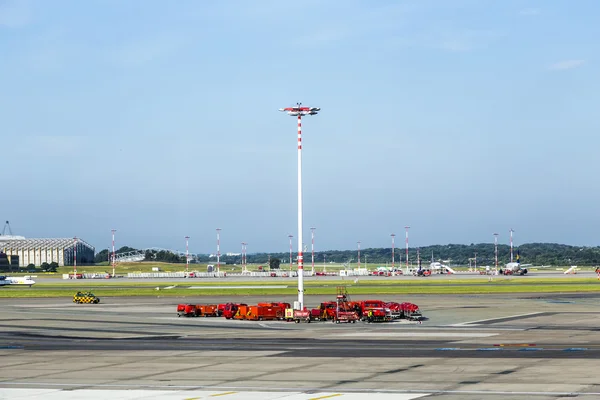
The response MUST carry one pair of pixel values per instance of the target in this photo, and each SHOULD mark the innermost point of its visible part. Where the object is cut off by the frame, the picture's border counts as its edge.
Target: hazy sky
(460, 118)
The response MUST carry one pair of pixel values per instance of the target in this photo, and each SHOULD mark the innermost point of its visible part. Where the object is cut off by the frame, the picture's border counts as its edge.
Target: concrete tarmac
(541, 346)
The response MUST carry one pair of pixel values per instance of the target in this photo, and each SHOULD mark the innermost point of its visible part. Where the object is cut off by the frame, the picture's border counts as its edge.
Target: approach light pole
(511, 244)
(75, 257)
(406, 228)
(114, 261)
(312, 258)
(393, 235)
(187, 254)
(291, 236)
(299, 111)
(218, 250)
(244, 268)
(496, 249)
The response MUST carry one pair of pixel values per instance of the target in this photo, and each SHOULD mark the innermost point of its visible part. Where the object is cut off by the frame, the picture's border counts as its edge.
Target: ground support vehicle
(411, 311)
(282, 306)
(197, 310)
(346, 316)
(228, 310)
(85, 298)
(187, 310)
(261, 313)
(298, 316)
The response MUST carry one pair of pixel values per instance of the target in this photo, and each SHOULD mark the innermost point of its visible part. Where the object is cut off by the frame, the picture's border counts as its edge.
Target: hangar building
(39, 251)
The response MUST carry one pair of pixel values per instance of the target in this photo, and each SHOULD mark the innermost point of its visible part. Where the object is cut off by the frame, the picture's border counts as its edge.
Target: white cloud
(530, 12)
(14, 13)
(567, 64)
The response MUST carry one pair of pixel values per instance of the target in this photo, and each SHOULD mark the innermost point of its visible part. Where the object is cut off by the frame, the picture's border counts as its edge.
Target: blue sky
(460, 118)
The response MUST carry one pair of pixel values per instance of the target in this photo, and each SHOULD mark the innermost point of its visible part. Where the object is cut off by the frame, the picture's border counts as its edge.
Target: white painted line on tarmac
(241, 287)
(419, 334)
(497, 318)
(90, 394)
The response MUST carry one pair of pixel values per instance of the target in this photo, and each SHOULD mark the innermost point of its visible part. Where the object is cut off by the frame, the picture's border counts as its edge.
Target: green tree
(274, 263)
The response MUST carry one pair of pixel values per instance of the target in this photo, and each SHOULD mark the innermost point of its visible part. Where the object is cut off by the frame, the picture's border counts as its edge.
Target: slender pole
(218, 250)
(75, 257)
(113, 252)
(358, 243)
(244, 268)
(324, 266)
(511, 244)
(312, 232)
(300, 242)
(406, 228)
(496, 249)
(290, 236)
(187, 254)
(475, 261)
(393, 245)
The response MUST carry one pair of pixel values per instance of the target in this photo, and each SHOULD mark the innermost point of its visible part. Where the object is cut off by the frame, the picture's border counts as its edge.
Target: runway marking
(241, 287)
(515, 345)
(419, 334)
(490, 349)
(222, 394)
(157, 391)
(492, 319)
(575, 349)
(192, 398)
(326, 397)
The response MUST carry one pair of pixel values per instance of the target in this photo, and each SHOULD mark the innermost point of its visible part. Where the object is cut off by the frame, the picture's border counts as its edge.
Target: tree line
(453, 254)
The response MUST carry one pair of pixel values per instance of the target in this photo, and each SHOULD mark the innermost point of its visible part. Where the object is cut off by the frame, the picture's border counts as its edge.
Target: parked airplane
(513, 268)
(12, 280)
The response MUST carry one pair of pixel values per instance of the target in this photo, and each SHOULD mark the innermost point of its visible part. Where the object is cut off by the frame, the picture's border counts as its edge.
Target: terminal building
(39, 251)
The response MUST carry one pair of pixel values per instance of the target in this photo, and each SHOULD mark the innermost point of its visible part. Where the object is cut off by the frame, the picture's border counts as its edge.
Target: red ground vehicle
(374, 311)
(261, 313)
(280, 305)
(230, 309)
(411, 311)
(207, 310)
(197, 310)
(186, 310)
(298, 316)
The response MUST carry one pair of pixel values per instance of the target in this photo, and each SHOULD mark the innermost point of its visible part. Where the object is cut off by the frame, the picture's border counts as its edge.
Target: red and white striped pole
(406, 229)
(290, 236)
(113, 252)
(300, 228)
(358, 243)
(511, 244)
(218, 250)
(244, 268)
(299, 111)
(75, 257)
(312, 232)
(187, 254)
(393, 245)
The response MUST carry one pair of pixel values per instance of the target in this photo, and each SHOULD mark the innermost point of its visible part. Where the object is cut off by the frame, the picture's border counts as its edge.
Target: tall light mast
(244, 267)
(406, 228)
(290, 236)
(312, 234)
(75, 257)
(187, 254)
(511, 244)
(358, 243)
(218, 250)
(299, 111)
(114, 261)
(496, 248)
(393, 235)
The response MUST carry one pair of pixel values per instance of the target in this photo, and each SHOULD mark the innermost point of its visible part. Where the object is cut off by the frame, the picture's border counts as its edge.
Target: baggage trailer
(346, 316)
(207, 310)
(187, 310)
(261, 313)
(298, 316)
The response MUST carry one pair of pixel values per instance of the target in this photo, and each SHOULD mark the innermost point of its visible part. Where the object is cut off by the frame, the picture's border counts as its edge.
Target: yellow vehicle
(85, 297)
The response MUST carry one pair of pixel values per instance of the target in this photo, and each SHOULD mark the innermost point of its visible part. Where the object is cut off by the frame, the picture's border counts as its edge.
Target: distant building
(39, 251)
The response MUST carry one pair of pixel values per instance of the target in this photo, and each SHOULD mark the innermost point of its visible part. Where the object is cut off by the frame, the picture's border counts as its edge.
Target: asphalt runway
(542, 346)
